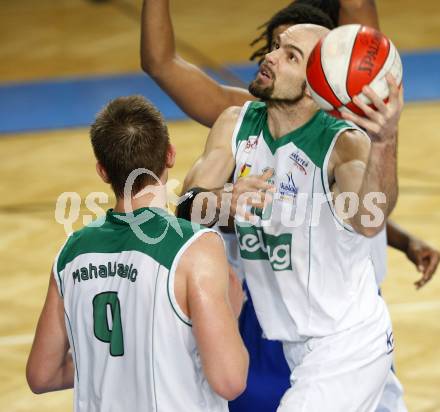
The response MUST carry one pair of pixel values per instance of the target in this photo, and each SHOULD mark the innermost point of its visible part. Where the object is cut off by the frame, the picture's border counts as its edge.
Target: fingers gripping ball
(347, 59)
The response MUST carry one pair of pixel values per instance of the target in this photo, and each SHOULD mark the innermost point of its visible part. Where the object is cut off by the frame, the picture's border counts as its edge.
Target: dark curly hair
(322, 12)
(329, 7)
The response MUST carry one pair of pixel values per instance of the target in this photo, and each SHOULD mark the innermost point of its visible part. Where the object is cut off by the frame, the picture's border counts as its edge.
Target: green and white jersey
(132, 345)
(309, 273)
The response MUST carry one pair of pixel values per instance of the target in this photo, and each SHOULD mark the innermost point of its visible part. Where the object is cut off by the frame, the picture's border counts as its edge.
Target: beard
(261, 92)
(266, 93)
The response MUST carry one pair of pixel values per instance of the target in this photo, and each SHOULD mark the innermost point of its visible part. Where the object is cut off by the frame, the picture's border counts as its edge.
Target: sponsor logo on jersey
(245, 170)
(287, 187)
(271, 179)
(111, 269)
(390, 341)
(299, 162)
(251, 144)
(256, 245)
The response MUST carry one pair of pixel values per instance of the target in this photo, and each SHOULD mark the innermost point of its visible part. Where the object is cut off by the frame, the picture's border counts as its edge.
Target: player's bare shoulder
(194, 272)
(351, 145)
(230, 115)
(205, 251)
(223, 128)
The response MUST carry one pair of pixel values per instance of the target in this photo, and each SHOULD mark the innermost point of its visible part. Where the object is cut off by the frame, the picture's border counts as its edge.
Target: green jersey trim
(310, 233)
(325, 182)
(56, 273)
(313, 138)
(249, 123)
(292, 136)
(171, 276)
(117, 234)
(152, 337)
(234, 142)
(73, 344)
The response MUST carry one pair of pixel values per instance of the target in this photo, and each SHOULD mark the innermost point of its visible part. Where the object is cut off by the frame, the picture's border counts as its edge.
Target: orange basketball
(347, 59)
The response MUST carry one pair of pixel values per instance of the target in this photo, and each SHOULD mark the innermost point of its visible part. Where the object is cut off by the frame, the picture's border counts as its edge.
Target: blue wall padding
(73, 102)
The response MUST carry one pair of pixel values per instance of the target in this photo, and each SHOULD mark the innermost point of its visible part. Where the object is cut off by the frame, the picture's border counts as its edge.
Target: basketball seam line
(349, 64)
(326, 80)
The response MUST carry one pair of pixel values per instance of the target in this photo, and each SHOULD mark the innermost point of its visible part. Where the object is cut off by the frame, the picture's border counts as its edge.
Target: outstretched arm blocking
(359, 11)
(197, 94)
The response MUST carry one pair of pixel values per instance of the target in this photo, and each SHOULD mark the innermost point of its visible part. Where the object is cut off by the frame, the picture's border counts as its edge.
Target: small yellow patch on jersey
(245, 170)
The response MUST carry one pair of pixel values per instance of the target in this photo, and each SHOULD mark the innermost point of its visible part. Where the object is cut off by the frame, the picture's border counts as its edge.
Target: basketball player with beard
(203, 99)
(313, 284)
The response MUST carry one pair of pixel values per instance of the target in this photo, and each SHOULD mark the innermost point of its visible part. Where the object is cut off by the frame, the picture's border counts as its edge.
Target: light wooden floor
(49, 38)
(72, 37)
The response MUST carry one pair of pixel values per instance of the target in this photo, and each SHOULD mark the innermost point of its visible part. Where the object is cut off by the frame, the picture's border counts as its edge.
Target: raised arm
(214, 168)
(197, 94)
(50, 366)
(369, 169)
(358, 11)
(224, 357)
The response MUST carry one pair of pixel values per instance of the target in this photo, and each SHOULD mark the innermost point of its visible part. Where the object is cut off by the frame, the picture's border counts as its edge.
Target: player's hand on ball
(254, 190)
(382, 122)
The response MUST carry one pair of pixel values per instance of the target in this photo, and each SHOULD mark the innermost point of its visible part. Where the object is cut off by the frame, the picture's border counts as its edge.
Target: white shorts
(345, 372)
(392, 396)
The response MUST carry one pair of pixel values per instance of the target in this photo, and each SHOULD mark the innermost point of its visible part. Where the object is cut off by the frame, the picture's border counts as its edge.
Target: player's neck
(149, 196)
(283, 118)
